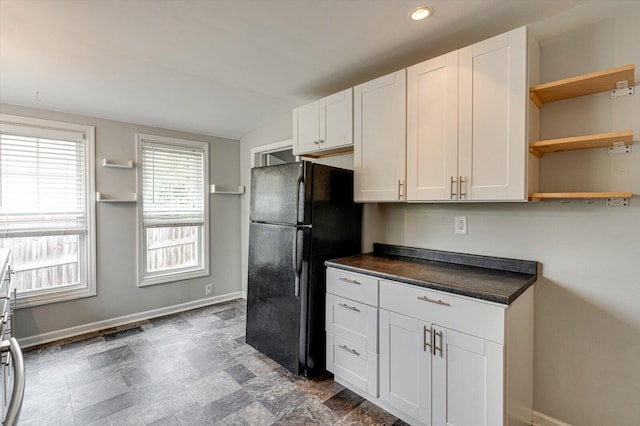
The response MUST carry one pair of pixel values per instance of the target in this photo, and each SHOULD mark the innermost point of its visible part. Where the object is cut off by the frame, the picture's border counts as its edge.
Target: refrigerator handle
(300, 194)
(297, 260)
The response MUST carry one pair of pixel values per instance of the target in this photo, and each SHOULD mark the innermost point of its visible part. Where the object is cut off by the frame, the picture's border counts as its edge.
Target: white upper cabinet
(466, 123)
(336, 120)
(324, 125)
(306, 128)
(432, 129)
(380, 138)
(492, 147)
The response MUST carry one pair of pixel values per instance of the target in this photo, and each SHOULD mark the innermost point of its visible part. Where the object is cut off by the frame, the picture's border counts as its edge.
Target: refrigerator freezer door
(275, 315)
(278, 193)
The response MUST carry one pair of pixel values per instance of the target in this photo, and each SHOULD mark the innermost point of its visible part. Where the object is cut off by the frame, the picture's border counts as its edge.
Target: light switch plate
(460, 224)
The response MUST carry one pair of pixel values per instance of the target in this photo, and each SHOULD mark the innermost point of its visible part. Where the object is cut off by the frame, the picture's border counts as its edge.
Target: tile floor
(191, 368)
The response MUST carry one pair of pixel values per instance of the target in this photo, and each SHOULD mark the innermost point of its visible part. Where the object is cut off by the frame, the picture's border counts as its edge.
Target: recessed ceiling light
(420, 13)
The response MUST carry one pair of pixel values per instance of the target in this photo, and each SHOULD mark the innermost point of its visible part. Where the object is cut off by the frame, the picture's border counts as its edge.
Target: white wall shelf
(128, 165)
(240, 191)
(103, 198)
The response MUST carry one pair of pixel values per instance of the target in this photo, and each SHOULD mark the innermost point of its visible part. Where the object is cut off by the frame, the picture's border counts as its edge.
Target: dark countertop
(482, 277)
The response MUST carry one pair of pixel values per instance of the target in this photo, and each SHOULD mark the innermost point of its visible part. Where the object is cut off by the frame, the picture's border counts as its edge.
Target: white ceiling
(225, 67)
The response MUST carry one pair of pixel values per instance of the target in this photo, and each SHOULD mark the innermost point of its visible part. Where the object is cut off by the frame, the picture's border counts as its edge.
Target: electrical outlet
(208, 289)
(460, 224)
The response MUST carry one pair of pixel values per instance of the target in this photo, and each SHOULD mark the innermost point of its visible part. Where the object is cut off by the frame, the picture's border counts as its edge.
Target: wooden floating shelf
(537, 196)
(587, 84)
(601, 140)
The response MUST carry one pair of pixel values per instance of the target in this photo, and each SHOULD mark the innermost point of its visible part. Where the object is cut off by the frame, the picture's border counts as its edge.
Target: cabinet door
(467, 380)
(405, 364)
(432, 129)
(336, 120)
(380, 138)
(306, 128)
(493, 110)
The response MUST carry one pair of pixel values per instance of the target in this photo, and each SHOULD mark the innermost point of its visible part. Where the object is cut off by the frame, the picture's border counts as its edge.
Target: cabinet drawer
(353, 363)
(360, 288)
(352, 321)
(467, 315)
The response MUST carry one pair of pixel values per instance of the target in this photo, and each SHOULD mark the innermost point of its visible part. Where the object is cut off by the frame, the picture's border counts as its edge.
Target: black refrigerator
(301, 214)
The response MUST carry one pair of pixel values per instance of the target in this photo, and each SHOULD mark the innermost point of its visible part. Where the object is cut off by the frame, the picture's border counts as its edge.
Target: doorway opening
(272, 154)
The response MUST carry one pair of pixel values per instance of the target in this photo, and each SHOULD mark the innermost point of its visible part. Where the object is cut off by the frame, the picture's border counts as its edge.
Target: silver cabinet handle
(348, 349)
(461, 180)
(6, 323)
(321, 141)
(351, 308)
(347, 280)
(9, 274)
(427, 345)
(453, 195)
(400, 189)
(436, 301)
(13, 411)
(316, 142)
(437, 334)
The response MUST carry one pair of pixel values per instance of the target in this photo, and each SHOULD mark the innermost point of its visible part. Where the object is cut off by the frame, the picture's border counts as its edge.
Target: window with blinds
(45, 212)
(173, 209)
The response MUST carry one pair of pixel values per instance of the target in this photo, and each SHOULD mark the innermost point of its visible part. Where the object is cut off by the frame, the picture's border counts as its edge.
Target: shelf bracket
(622, 89)
(619, 148)
(617, 202)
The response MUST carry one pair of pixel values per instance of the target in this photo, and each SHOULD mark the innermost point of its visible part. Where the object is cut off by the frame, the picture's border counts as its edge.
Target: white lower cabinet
(431, 357)
(439, 376)
(352, 329)
(405, 369)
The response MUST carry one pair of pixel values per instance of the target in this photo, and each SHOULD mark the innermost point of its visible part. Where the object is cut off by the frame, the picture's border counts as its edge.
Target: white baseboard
(52, 336)
(540, 419)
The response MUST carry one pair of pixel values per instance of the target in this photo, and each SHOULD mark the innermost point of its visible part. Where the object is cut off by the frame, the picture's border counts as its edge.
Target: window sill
(173, 276)
(53, 296)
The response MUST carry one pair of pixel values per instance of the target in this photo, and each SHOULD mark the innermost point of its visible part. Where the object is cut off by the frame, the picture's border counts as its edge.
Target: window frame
(142, 278)
(87, 241)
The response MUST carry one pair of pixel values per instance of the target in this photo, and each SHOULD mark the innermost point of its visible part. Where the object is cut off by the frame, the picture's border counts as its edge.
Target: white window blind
(46, 208)
(42, 183)
(172, 185)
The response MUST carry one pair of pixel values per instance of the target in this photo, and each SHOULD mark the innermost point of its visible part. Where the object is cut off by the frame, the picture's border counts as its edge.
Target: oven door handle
(13, 411)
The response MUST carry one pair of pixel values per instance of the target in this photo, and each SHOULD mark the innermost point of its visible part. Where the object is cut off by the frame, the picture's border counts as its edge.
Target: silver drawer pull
(438, 301)
(347, 280)
(348, 349)
(351, 308)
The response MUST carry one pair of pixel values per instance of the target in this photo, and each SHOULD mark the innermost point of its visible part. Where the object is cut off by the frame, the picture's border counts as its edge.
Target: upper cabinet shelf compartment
(587, 84)
(602, 140)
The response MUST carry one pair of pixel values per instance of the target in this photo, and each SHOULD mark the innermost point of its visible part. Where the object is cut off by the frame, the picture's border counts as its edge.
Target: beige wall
(587, 299)
(118, 294)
